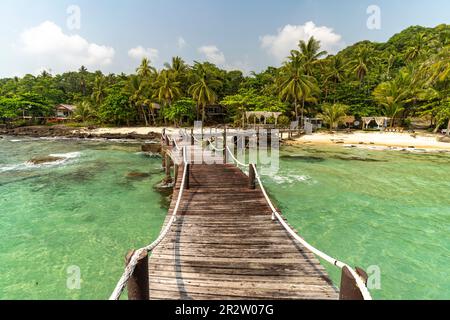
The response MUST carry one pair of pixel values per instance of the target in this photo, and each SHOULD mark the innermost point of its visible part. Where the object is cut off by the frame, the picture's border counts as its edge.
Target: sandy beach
(421, 140)
(381, 139)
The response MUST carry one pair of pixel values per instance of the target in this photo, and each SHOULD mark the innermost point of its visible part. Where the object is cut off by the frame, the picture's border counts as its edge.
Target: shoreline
(357, 139)
(376, 140)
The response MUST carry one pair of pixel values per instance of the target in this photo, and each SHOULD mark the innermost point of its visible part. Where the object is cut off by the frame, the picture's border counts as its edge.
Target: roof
(67, 107)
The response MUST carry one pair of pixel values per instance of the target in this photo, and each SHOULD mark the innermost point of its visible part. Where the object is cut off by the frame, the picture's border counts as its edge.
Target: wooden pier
(223, 242)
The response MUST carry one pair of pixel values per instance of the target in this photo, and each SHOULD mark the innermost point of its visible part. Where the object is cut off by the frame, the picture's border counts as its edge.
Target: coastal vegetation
(408, 76)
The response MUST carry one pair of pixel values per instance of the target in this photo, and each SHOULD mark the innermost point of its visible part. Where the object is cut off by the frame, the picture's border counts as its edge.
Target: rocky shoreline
(67, 132)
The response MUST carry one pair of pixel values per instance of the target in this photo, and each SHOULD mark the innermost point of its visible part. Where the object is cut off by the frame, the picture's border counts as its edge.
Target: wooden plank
(224, 244)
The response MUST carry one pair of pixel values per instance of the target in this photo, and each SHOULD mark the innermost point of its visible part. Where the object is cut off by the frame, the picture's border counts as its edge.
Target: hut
(65, 111)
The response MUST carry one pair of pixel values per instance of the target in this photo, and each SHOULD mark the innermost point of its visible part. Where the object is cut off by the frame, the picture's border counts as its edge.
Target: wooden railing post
(167, 141)
(192, 137)
(349, 290)
(186, 182)
(175, 172)
(251, 176)
(168, 165)
(138, 284)
(225, 151)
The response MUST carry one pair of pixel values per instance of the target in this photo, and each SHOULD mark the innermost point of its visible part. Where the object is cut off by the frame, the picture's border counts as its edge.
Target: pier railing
(353, 281)
(137, 261)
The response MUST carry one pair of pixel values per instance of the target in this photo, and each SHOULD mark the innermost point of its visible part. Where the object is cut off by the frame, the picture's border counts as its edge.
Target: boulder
(151, 147)
(42, 160)
(444, 139)
(137, 175)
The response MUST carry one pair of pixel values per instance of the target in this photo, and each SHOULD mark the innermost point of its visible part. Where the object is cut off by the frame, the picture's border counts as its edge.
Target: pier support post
(167, 141)
(168, 165)
(138, 285)
(188, 171)
(349, 290)
(175, 173)
(251, 176)
(225, 151)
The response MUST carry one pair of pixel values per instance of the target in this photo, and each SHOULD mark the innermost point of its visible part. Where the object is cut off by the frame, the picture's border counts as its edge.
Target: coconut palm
(310, 53)
(167, 88)
(99, 89)
(361, 63)
(145, 70)
(203, 89)
(84, 111)
(136, 89)
(335, 71)
(295, 86)
(418, 48)
(392, 96)
(333, 114)
(178, 65)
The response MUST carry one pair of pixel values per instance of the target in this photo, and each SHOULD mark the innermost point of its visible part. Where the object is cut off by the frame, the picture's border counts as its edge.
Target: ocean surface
(380, 210)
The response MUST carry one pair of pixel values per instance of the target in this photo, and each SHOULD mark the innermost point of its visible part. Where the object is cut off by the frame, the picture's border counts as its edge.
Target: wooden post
(349, 290)
(251, 176)
(168, 165)
(167, 141)
(175, 173)
(225, 151)
(138, 284)
(188, 171)
(192, 137)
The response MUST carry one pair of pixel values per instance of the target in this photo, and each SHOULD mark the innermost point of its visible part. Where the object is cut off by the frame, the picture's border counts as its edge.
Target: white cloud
(212, 54)
(181, 43)
(288, 37)
(51, 46)
(140, 52)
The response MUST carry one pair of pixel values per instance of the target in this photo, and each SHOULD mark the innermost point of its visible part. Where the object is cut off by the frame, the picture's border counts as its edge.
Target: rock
(137, 175)
(42, 160)
(444, 139)
(151, 147)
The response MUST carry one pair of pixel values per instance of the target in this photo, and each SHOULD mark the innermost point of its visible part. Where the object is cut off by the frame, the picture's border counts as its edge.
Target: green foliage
(183, 109)
(405, 77)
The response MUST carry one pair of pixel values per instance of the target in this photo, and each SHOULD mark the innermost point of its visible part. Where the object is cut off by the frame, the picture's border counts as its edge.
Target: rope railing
(275, 215)
(131, 266)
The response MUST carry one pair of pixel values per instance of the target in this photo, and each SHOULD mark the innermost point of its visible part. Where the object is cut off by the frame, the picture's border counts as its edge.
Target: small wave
(290, 178)
(65, 158)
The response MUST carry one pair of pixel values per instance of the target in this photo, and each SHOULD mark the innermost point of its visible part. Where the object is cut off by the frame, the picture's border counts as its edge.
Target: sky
(249, 35)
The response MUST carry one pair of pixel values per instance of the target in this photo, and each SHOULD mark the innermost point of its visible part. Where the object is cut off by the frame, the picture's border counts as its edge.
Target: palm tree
(167, 88)
(392, 96)
(418, 48)
(145, 70)
(363, 60)
(332, 114)
(99, 90)
(178, 65)
(202, 91)
(83, 73)
(295, 85)
(310, 54)
(84, 111)
(335, 71)
(136, 89)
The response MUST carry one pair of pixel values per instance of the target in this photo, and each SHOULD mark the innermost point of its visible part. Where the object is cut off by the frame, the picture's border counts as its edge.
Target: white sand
(387, 139)
(358, 138)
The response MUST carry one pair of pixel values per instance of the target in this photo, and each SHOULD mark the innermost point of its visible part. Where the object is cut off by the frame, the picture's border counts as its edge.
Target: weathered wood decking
(224, 245)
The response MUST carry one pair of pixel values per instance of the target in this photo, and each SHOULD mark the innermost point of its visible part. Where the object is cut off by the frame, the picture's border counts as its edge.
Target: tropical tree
(418, 48)
(310, 54)
(145, 70)
(361, 63)
(84, 111)
(180, 110)
(203, 89)
(392, 97)
(295, 86)
(99, 90)
(333, 114)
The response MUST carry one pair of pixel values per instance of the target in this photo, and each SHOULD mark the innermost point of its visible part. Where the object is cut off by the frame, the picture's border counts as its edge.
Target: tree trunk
(302, 113)
(448, 127)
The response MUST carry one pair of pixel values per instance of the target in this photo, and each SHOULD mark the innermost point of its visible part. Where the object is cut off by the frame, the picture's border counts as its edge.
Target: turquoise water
(385, 208)
(388, 209)
(81, 212)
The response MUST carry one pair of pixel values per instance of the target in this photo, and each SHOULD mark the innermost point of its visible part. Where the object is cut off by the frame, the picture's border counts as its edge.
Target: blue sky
(249, 35)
